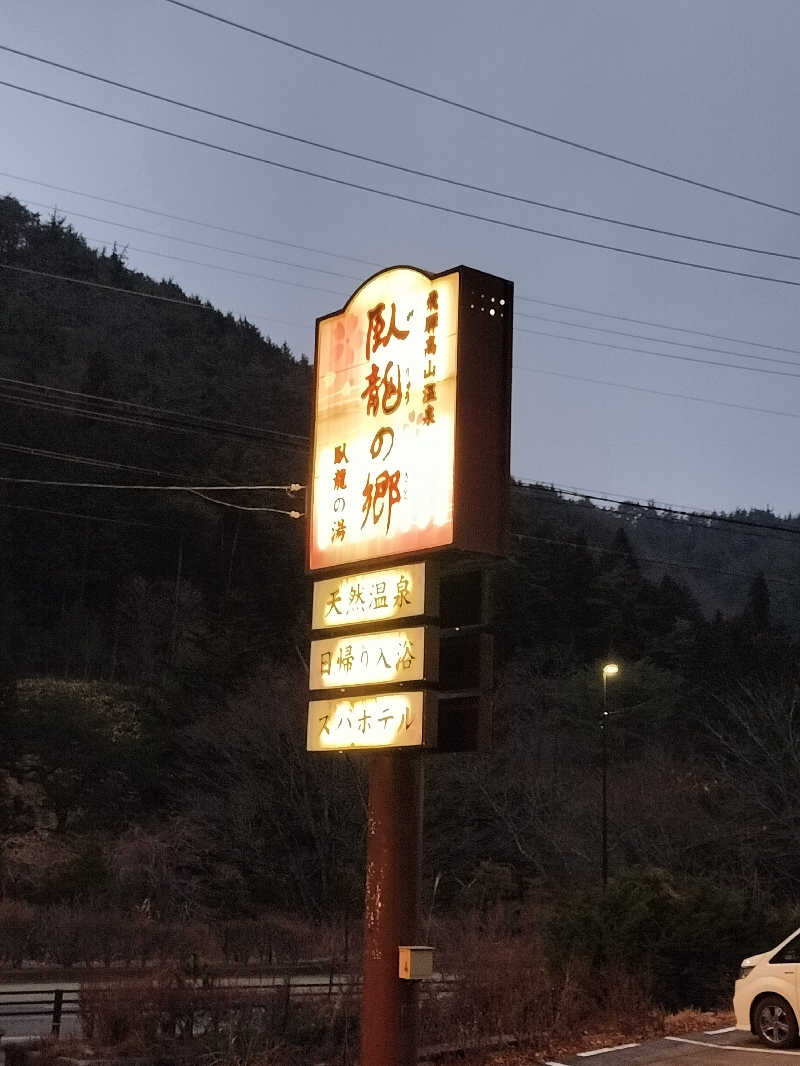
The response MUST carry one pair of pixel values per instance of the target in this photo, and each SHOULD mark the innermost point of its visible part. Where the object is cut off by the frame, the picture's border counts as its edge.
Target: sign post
(409, 479)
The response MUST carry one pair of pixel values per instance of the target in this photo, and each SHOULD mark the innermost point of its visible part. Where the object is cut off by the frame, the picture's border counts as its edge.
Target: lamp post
(609, 670)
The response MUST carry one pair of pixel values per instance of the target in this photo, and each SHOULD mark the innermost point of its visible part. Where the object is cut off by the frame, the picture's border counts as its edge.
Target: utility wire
(616, 158)
(104, 242)
(542, 318)
(399, 197)
(657, 340)
(129, 292)
(241, 507)
(89, 517)
(656, 392)
(190, 221)
(154, 488)
(583, 502)
(146, 423)
(518, 297)
(705, 516)
(110, 288)
(84, 460)
(657, 325)
(445, 180)
(654, 561)
(196, 244)
(216, 422)
(519, 369)
(193, 490)
(663, 355)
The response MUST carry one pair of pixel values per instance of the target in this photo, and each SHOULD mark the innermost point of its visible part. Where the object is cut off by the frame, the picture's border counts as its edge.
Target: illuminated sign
(376, 596)
(412, 417)
(389, 721)
(384, 441)
(375, 658)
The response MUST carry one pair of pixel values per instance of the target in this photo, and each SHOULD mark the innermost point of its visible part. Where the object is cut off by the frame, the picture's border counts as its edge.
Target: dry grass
(604, 1035)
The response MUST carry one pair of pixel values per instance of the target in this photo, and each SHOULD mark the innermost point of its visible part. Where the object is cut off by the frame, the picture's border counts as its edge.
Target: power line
(105, 464)
(241, 507)
(399, 197)
(141, 422)
(190, 221)
(110, 288)
(657, 325)
(135, 292)
(153, 488)
(662, 355)
(545, 494)
(657, 340)
(487, 114)
(525, 370)
(398, 167)
(194, 490)
(521, 314)
(197, 244)
(656, 392)
(655, 561)
(705, 516)
(108, 400)
(216, 266)
(89, 517)
(518, 297)
(520, 329)
(117, 419)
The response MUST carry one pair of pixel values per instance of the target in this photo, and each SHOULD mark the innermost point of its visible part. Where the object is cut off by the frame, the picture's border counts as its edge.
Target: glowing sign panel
(377, 596)
(385, 416)
(391, 721)
(374, 659)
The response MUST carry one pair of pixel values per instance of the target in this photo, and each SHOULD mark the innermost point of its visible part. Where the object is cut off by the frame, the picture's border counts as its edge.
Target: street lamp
(609, 670)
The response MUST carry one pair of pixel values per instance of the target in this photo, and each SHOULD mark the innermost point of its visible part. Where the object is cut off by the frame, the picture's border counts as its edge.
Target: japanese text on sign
(385, 414)
(372, 659)
(389, 721)
(376, 596)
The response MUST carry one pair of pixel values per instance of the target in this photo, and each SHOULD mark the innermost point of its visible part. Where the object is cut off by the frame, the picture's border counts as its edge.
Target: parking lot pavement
(719, 1048)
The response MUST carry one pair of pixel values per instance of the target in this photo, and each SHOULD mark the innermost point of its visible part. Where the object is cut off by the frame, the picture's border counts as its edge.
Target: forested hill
(152, 643)
(716, 557)
(107, 386)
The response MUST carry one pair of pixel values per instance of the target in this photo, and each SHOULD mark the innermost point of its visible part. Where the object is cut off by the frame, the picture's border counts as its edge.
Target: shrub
(682, 939)
(18, 928)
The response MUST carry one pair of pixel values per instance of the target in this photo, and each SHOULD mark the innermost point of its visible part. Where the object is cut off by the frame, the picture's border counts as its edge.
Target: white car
(766, 1000)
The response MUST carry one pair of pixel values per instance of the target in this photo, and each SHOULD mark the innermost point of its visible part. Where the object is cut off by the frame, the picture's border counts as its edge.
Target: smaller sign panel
(374, 596)
(393, 720)
(409, 654)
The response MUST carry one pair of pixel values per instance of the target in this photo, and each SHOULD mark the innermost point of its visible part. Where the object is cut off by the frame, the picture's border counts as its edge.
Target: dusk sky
(705, 90)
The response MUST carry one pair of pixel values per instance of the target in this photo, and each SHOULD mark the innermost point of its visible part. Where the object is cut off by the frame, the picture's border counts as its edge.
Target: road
(717, 1048)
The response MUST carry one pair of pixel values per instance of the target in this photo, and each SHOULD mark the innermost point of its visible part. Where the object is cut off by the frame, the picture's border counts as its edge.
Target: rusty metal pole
(389, 1007)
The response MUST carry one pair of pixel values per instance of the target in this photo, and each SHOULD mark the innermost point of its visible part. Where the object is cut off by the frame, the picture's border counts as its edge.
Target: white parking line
(716, 1032)
(603, 1050)
(549, 1063)
(733, 1047)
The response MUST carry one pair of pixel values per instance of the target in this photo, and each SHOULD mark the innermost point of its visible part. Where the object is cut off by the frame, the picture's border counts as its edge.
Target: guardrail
(58, 1003)
(55, 1003)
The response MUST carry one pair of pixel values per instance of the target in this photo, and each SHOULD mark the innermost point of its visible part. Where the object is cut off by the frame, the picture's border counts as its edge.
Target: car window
(789, 952)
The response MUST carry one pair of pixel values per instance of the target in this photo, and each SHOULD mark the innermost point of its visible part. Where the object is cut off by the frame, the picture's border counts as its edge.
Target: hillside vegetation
(152, 737)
